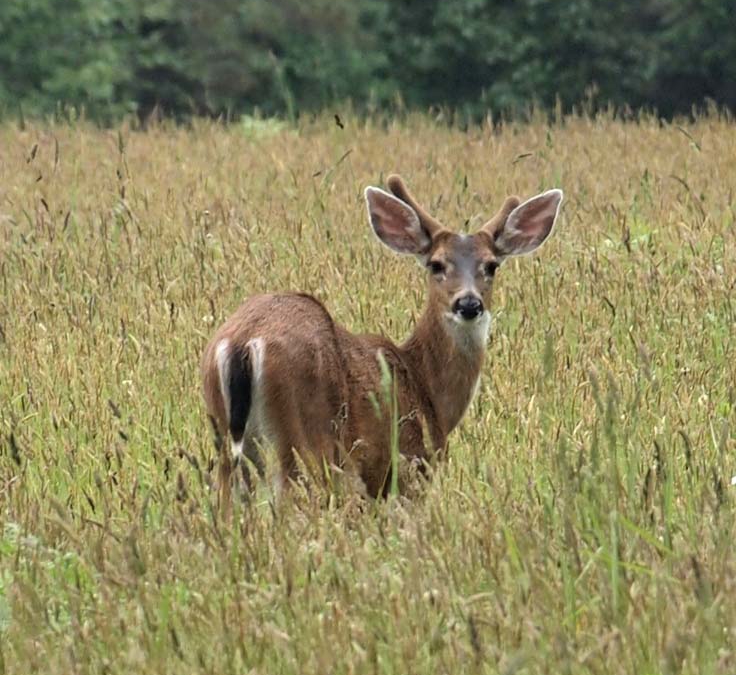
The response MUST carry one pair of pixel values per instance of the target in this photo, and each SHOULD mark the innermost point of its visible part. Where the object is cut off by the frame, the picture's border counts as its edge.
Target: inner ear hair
(495, 224)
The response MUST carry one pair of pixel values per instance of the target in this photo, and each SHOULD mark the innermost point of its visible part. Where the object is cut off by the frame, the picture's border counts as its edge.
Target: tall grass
(584, 520)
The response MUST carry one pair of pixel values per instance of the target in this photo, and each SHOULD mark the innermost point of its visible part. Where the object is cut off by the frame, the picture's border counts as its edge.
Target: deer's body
(280, 372)
(315, 385)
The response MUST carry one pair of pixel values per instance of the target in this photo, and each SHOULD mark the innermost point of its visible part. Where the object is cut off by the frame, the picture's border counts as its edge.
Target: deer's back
(296, 350)
(318, 387)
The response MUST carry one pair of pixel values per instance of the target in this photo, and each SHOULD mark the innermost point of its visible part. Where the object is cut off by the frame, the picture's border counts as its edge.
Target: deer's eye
(489, 269)
(436, 267)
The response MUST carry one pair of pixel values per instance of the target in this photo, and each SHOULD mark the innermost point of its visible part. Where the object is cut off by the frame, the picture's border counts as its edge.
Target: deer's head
(460, 267)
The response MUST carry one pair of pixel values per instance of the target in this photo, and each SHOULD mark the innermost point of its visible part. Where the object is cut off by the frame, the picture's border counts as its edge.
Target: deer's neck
(446, 357)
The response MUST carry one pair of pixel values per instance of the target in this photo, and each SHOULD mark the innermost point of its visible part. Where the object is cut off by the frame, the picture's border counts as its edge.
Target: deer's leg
(300, 414)
(253, 455)
(249, 457)
(224, 466)
(216, 434)
(290, 441)
(224, 483)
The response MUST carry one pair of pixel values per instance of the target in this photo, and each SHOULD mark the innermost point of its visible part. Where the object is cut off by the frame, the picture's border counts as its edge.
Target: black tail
(239, 391)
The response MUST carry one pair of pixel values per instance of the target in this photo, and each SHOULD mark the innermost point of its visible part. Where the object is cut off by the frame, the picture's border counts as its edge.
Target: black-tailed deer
(281, 371)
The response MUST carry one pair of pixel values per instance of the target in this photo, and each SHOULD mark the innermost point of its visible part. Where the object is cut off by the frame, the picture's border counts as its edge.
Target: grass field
(584, 522)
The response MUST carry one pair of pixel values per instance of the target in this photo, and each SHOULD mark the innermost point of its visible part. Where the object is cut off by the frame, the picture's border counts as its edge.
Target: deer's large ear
(395, 223)
(528, 225)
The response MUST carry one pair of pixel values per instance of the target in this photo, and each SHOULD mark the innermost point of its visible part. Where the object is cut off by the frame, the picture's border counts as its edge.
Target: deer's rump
(311, 387)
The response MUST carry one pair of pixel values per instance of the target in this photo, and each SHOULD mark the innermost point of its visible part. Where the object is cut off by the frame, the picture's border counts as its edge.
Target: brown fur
(320, 383)
(318, 378)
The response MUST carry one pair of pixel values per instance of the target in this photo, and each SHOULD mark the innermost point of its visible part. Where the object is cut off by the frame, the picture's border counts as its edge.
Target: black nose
(468, 307)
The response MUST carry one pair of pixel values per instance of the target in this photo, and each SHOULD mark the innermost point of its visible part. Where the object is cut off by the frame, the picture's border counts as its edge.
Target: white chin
(470, 332)
(462, 321)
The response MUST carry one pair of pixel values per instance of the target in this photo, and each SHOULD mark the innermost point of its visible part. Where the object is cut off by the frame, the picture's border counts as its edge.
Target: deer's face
(461, 267)
(461, 270)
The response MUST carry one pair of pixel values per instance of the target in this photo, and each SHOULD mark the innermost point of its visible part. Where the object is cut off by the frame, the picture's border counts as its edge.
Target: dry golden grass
(584, 522)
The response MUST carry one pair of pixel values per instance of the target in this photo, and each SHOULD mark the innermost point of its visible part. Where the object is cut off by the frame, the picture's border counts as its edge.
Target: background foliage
(584, 522)
(180, 57)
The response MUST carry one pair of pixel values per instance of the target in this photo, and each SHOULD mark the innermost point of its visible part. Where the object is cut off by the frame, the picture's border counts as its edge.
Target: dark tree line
(287, 57)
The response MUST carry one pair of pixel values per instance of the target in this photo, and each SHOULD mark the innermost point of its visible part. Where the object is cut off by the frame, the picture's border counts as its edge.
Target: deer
(281, 373)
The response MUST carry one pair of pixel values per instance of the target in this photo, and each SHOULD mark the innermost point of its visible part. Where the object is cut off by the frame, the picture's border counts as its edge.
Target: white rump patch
(256, 425)
(257, 348)
(222, 359)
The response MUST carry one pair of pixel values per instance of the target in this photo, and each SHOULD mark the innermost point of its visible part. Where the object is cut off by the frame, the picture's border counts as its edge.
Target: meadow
(584, 521)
